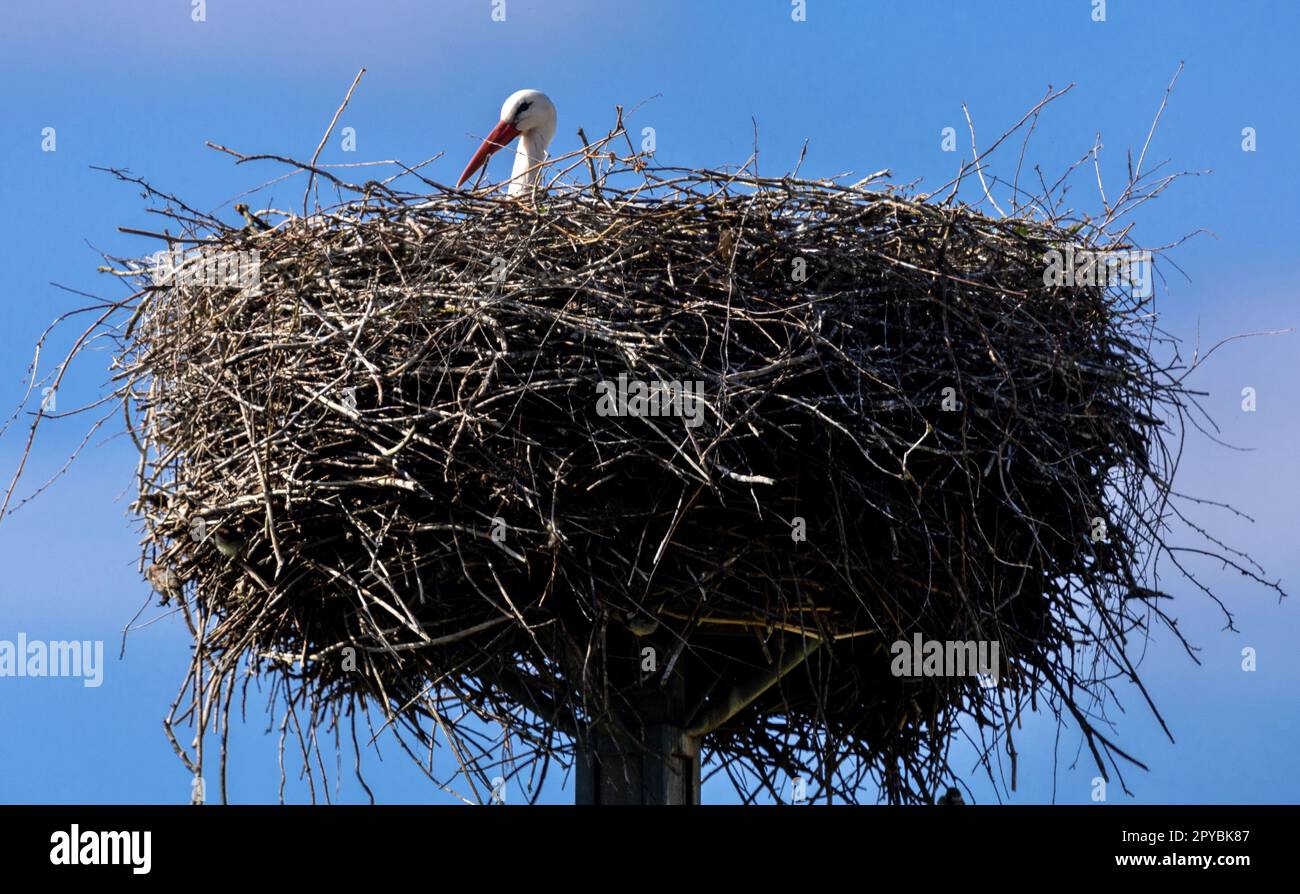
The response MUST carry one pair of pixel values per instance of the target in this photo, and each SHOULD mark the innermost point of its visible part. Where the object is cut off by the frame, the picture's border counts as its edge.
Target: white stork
(529, 115)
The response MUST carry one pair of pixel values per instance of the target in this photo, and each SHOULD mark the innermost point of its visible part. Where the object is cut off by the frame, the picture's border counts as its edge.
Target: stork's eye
(523, 107)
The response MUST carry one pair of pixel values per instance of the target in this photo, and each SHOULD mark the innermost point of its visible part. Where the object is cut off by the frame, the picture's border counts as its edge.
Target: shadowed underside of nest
(394, 470)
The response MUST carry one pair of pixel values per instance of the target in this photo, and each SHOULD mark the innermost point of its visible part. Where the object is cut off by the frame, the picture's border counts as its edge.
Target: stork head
(528, 112)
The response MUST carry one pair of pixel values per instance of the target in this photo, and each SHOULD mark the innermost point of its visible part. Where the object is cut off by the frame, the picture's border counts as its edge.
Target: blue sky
(869, 85)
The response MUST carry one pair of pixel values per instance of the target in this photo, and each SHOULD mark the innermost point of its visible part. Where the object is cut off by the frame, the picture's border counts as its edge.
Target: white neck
(530, 153)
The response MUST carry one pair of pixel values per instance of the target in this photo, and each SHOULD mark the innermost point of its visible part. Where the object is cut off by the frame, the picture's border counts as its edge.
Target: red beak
(502, 134)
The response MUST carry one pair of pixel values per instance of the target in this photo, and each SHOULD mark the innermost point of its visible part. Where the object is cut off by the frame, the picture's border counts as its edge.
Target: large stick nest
(382, 477)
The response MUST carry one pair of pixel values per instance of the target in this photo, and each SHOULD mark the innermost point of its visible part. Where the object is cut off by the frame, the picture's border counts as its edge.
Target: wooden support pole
(656, 760)
(663, 768)
(646, 758)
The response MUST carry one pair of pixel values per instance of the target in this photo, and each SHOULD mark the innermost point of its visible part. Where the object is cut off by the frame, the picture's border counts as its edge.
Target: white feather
(536, 126)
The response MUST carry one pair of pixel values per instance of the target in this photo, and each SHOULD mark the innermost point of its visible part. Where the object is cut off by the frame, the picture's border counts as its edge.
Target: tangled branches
(561, 465)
